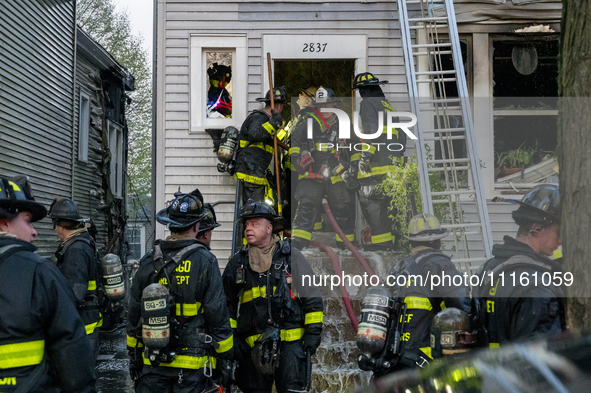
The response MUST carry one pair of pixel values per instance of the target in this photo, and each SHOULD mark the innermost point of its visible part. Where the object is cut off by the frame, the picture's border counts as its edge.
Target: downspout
(154, 116)
(75, 42)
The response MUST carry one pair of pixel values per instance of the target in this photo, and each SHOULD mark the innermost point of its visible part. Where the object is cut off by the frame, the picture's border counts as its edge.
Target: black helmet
(366, 79)
(16, 197)
(451, 333)
(64, 209)
(185, 211)
(280, 95)
(219, 72)
(541, 204)
(325, 96)
(258, 209)
(208, 222)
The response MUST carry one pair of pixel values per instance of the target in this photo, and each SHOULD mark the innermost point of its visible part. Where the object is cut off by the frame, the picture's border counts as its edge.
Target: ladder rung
(431, 19)
(425, 2)
(440, 45)
(456, 226)
(444, 138)
(432, 53)
(443, 201)
(435, 26)
(462, 129)
(440, 101)
(472, 233)
(443, 169)
(446, 72)
(452, 192)
(448, 161)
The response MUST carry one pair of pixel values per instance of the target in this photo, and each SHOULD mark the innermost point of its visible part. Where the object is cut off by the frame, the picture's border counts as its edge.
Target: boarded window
(116, 149)
(83, 127)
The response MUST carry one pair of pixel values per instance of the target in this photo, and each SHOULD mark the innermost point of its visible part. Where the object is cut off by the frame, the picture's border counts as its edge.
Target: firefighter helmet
(309, 91)
(451, 333)
(220, 72)
(64, 209)
(541, 204)
(16, 197)
(279, 95)
(258, 209)
(325, 96)
(185, 211)
(208, 222)
(425, 227)
(366, 79)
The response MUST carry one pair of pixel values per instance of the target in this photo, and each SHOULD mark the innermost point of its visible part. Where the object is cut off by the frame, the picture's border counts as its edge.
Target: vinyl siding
(36, 82)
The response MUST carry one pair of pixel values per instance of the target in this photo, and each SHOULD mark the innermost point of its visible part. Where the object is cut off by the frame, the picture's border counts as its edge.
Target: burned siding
(36, 99)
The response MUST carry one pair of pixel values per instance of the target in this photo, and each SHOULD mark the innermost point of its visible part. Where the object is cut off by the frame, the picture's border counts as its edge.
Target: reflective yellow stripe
(317, 227)
(314, 317)
(133, 342)
(270, 129)
(225, 345)
(286, 335)
(372, 149)
(301, 234)
(420, 303)
(281, 134)
(260, 145)
(557, 254)
(292, 334)
(350, 237)
(356, 157)
(251, 179)
(324, 147)
(14, 186)
(294, 150)
(91, 286)
(233, 323)
(188, 310)
(254, 293)
(184, 361)
(427, 351)
(336, 179)
(493, 345)
(90, 328)
(431, 222)
(420, 224)
(379, 170)
(384, 237)
(21, 354)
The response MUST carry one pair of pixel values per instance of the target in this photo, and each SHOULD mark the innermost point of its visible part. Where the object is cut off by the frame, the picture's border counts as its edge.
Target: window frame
(142, 241)
(116, 149)
(200, 44)
(83, 126)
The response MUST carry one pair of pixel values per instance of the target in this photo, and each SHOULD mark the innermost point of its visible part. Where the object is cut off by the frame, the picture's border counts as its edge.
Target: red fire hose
(344, 294)
(349, 245)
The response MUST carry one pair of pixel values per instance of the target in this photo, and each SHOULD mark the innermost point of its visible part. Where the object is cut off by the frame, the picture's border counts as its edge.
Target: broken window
(219, 85)
(525, 112)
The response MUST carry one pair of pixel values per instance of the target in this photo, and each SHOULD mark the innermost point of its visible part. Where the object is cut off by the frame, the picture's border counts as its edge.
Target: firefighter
(419, 303)
(516, 312)
(207, 225)
(304, 102)
(200, 332)
(275, 333)
(374, 164)
(77, 259)
(256, 147)
(42, 339)
(321, 169)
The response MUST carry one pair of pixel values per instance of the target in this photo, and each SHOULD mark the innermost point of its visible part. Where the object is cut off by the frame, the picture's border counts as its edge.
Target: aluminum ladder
(452, 180)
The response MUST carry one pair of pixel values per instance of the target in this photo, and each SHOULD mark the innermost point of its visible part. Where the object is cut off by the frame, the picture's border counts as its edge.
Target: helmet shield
(279, 95)
(16, 196)
(425, 227)
(185, 211)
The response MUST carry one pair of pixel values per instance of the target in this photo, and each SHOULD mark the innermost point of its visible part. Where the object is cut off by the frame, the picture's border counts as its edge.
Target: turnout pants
(309, 194)
(374, 206)
(170, 380)
(290, 373)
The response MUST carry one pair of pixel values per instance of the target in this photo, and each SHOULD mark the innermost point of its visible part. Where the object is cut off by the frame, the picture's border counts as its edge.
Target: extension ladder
(427, 76)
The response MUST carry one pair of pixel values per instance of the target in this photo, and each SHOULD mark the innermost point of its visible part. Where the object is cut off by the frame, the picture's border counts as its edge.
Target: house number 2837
(314, 47)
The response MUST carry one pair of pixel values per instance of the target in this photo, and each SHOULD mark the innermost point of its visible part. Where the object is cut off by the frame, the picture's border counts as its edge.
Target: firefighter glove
(297, 165)
(226, 370)
(311, 342)
(306, 159)
(276, 120)
(135, 368)
(364, 165)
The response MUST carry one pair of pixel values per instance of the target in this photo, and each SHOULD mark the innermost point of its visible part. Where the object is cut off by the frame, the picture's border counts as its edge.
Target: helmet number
(184, 207)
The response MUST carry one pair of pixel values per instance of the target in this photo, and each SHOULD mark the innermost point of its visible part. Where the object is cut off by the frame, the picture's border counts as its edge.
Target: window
(525, 109)
(218, 81)
(116, 148)
(83, 127)
(136, 238)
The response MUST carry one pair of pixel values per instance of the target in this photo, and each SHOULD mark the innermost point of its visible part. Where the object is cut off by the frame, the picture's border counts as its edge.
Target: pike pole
(275, 140)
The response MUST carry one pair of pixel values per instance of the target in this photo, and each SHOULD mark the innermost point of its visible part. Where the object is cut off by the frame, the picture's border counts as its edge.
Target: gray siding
(36, 82)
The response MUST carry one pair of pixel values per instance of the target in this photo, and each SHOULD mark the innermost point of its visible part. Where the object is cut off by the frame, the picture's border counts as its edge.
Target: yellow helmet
(425, 227)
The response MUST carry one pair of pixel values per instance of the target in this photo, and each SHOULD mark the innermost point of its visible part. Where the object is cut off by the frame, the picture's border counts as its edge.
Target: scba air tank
(112, 279)
(373, 327)
(155, 316)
